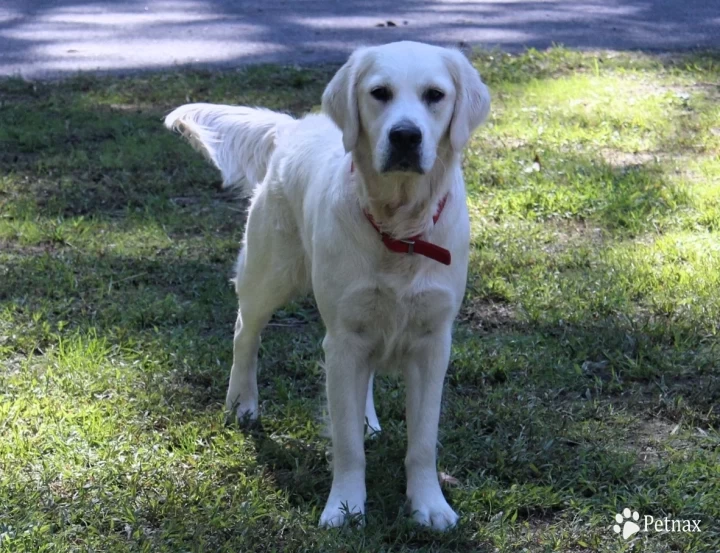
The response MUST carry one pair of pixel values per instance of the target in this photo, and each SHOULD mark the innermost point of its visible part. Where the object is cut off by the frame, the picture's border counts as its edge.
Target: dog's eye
(433, 95)
(381, 93)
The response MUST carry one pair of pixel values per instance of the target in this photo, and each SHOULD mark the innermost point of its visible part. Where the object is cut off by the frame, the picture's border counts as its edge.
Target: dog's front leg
(347, 375)
(424, 378)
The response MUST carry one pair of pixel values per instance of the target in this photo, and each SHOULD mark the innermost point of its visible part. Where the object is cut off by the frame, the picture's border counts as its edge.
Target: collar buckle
(410, 244)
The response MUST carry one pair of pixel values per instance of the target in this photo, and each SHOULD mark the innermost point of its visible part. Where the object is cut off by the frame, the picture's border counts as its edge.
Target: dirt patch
(570, 233)
(621, 160)
(8, 247)
(649, 437)
(485, 315)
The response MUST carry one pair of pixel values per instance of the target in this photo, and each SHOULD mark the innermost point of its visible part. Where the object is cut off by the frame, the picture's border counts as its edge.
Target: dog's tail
(237, 139)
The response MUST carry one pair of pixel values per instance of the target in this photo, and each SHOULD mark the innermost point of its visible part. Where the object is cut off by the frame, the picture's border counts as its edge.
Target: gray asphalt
(55, 38)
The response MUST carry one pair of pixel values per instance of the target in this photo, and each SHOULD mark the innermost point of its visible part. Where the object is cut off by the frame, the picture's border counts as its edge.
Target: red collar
(414, 244)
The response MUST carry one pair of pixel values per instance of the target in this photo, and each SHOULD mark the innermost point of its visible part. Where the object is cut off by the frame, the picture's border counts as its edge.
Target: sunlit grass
(584, 377)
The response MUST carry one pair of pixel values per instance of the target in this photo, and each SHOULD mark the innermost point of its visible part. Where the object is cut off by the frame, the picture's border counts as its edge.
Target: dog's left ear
(340, 100)
(472, 100)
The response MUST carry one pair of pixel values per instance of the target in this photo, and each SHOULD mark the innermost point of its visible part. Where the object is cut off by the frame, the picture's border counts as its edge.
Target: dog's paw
(247, 412)
(243, 413)
(434, 513)
(372, 432)
(339, 513)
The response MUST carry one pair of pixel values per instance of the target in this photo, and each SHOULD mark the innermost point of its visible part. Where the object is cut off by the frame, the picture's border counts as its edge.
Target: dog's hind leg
(372, 424)
(242, 394)
(268, 273)
(256, 306)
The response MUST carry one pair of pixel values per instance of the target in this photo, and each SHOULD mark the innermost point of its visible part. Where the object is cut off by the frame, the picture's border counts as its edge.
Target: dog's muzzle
(405, 139)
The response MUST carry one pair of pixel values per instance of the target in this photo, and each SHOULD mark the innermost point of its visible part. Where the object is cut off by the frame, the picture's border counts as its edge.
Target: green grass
(585, 372)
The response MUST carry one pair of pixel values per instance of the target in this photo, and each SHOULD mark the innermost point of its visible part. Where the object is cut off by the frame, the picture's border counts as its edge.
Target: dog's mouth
(405, 162)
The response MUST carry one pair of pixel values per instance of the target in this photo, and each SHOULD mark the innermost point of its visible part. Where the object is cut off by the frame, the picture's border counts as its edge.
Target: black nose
(405, 135)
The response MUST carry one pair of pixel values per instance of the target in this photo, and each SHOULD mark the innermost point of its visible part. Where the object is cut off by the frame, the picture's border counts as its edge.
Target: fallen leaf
(446, 479)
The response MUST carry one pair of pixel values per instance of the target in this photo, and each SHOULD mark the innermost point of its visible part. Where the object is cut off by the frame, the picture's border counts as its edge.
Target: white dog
(365, 206)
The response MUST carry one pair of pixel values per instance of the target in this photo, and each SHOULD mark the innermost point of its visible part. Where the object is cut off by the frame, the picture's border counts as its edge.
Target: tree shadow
(59, 40)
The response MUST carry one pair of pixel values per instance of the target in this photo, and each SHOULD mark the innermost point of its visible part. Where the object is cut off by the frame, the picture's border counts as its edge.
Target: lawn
(585, 372)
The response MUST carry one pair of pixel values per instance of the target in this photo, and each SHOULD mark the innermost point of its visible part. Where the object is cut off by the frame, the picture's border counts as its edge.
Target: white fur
(306, 231)
(237, 139)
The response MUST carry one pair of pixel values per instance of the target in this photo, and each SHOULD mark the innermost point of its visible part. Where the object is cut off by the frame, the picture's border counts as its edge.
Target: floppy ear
(472, 100)
(340, 101)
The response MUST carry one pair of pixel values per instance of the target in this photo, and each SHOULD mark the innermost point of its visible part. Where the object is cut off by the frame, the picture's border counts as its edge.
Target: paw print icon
(628, 520)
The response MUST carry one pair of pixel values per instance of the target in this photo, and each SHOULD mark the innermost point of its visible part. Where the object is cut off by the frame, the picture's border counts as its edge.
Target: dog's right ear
(340, 99)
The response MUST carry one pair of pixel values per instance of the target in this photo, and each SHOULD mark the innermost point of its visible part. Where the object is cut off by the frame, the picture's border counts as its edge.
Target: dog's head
(403, 100)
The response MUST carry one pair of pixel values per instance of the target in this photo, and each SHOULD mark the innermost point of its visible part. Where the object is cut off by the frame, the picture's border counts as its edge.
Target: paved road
(50, 38)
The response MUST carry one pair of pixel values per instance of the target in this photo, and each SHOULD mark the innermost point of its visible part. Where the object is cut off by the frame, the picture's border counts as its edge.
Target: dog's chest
(393, 321)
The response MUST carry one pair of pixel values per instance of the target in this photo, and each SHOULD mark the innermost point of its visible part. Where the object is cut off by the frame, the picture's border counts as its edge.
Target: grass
(585, 372)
